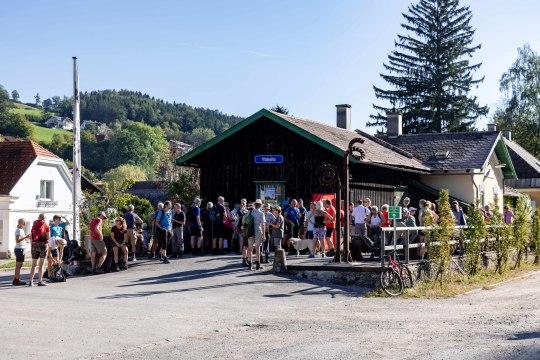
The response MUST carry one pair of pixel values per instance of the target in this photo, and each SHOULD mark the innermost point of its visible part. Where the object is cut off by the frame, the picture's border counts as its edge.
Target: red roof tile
(15, 158)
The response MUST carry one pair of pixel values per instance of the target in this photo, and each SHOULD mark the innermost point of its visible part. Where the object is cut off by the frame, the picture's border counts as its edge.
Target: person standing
(57, 242)
(291, 216)
(259, 222)
(301, 219)
(164, 223)
(359, 216)
(193, 217)
(40, 239)
(97, 244)
(155, 234)
(320, 218)
(21, 244)
(277, 228)
(270, 218)
(217, 216)
(309, 223)
(508, 215)
(119, 239)
(178, 221)
(132, 220)
(330, 226)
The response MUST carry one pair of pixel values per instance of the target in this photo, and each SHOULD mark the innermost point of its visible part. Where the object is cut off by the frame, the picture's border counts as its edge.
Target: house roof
(526, 165)
(332, 138)
(15, 158)
(455, 151)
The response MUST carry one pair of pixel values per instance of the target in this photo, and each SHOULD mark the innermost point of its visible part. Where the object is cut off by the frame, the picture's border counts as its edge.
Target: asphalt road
(211, 308)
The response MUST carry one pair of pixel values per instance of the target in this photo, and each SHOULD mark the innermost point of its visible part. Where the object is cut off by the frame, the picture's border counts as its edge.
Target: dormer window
(442, 155)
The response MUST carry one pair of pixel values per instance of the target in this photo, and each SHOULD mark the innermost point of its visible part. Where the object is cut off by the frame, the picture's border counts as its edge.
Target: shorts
(277, 243)
(19, 255)
(301, 228)
(218, 230)
(309, 234)
(163, 241)
(55, 252)
(245, 242)
(256, 240)
(329, 232)
(319, 233)
(39, 251)
(132, 238)
(292, 229)
(98, 246)
(195, 231)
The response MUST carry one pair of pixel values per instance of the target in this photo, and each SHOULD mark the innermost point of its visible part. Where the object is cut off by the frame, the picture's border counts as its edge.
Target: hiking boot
(31, 283)
(99, 271)
(258, 266)
(123, 267)
(331, 253)
(116, 268)
(18, 282)
(249, 265)
(244, 262)
(166, 260)
(311, 256)
(41, 283)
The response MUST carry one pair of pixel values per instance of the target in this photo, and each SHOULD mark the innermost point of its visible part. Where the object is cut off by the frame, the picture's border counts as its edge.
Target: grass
(24, 109)
(458, 285)
(45, 135)
(11, 265)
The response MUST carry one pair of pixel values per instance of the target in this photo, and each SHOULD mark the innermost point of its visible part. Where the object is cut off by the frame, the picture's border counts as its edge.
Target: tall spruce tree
(430, 72)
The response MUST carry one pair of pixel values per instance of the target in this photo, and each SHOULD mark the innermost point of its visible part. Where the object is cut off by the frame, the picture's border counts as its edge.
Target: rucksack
(213, 215)
(239, 217)
(39, 234)
(190, 215)
(248, 226)
(57, 274)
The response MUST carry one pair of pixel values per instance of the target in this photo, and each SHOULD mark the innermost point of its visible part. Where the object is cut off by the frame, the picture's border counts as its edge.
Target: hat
(278, 208)
(250, 205)
(266, 205)
(412, 209)
(258, 201)
(196, 200)
(102, 213)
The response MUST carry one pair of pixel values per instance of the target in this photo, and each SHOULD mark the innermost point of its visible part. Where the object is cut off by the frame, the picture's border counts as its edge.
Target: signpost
(268, 159)
(394, 213)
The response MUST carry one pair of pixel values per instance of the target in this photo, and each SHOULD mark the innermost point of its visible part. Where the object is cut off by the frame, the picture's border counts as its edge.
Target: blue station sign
(268, 159)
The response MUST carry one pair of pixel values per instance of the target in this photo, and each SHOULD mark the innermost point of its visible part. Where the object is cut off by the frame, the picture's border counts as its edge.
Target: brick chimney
(394, 124)
(343, 119)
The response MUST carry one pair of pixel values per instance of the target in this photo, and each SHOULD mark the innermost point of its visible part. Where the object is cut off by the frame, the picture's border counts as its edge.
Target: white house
(59, 122)
(32, 181)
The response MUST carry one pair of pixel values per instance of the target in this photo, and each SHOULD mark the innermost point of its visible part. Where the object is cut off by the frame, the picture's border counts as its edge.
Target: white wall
(22, 202)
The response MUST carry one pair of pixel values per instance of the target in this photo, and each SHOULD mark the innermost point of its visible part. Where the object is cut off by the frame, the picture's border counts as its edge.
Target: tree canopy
(520, 111)
(429, 71)
(12, 124)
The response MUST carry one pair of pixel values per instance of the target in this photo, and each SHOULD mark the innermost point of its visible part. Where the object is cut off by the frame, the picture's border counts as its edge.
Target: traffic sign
(394, 212)
(268, 159)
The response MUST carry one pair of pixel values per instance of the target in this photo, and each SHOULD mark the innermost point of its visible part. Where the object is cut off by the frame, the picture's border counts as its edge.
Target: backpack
(57, 274)
(190, 215)
(213, 215)
(39, 234)
(239, 218)
(248, 227)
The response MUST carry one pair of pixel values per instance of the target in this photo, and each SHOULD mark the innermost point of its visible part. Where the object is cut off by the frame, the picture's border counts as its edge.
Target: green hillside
(44, 134)
(24, 109)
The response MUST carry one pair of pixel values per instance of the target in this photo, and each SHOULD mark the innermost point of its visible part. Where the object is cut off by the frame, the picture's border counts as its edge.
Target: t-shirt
(118, 234)
(508, 217)
(164, 218)
(23, 244)
(219, 212)
(270, 219)
(58, 230)
(94, 233)
(311, 221)
(292, 214)
(277, 233)
(131, 219)
(302, 210)
(359, 214)
(179, 216)
(258, 219)
(196, 213)
(332, 212)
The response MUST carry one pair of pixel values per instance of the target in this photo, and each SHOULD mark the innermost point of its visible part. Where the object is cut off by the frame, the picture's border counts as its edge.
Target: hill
(44, 135)
(29, 111)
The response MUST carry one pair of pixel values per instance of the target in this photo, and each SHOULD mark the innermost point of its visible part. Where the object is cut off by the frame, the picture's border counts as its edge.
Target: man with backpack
(132, 220)
(256, 222)
(178, 221)
(193, 217)
(164, 223)
(217, 216)
(154, 238)
(40, 238)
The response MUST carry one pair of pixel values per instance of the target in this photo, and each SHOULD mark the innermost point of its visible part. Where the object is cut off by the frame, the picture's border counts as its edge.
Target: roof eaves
(502, 153)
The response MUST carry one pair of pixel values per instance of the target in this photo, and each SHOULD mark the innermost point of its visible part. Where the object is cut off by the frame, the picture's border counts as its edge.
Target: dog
(301, 244)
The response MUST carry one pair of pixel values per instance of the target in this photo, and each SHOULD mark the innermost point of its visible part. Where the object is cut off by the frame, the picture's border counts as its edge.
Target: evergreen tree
(280, 109)
(15, 95)
(430, 71)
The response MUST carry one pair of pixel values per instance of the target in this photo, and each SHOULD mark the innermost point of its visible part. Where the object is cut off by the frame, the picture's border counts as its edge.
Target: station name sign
(268, 159)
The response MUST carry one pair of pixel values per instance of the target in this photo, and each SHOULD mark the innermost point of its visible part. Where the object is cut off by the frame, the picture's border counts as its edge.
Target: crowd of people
(251, 229)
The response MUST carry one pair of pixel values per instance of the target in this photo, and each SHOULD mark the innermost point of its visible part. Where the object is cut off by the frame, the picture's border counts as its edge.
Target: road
(211, 308)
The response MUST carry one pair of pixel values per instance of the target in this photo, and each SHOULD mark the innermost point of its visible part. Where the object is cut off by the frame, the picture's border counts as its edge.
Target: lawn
(44, 134)
(27, 110)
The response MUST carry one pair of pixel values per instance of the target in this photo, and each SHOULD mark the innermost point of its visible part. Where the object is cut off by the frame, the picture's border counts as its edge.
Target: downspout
(477, 191)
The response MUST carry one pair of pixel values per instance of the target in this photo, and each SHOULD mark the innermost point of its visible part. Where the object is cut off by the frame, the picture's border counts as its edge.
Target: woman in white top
(374, 222)
(21, 244)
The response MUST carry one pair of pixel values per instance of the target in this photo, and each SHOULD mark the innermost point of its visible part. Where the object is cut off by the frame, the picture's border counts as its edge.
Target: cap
(412, 209)
(102, 213)
(258, 201)
(196, 200)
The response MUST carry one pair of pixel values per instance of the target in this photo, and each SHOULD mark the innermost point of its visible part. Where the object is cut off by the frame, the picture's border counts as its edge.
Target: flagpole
(76, 153)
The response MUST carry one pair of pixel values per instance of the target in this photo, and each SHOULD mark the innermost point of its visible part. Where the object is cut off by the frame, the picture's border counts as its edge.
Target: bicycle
(395, 276)
(424, 270)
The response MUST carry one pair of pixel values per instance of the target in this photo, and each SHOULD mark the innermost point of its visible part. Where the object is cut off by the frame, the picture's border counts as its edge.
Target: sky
(238, 56)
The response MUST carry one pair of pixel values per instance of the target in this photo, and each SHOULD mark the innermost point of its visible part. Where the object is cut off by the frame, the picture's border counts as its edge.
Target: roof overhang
(504, 157)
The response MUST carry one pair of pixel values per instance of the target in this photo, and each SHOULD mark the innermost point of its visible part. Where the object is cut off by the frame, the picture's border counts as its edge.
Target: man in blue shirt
(163, 222)
(56, 242)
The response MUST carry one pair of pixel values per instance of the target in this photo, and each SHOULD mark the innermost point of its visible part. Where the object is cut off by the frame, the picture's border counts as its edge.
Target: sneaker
(311, 256)
(41, 283)
(165, 260)
(31, 283)
(116, 268)
(249, 265)
(323, 255)
(244, 262)
(134, 258)
(99, 271)
(123, 267)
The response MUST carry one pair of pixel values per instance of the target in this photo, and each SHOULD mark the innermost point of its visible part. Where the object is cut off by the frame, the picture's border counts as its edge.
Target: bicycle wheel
(406, 277)
(391, 282)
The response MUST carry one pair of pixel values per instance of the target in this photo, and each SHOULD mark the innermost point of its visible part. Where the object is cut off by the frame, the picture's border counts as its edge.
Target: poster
(270, 193)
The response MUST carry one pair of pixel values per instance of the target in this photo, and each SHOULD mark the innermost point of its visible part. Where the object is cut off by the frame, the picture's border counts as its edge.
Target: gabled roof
(15, 158)
(456, 151)
(526, 165)
(329, 137)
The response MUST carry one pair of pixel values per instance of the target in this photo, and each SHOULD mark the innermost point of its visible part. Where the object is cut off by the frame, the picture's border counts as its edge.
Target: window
(46, 190)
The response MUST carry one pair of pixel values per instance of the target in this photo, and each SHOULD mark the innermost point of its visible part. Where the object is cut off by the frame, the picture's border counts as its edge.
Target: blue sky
(237, 56)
